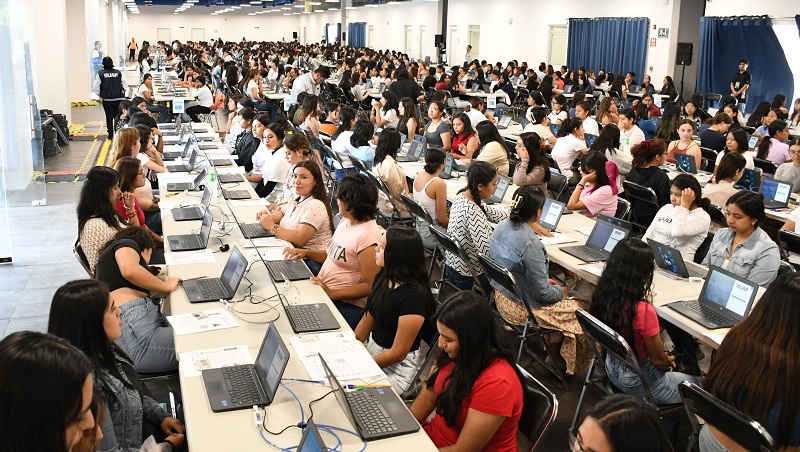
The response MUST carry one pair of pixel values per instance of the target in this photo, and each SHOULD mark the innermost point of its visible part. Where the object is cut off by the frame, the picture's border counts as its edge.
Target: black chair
(77, 250)
(358, 164)
(766, 166)
(790, 242)
(539, 409)
(501, 277)
(784, 268)
(711, 157)
(395, 217)
(604, 340)
(623, 209)
(415, 386)
(639, 195)
(420, 214)
(717, 216)
(702, 250)
(732, 423)
(450, 246)
(712, 100)
(557, 185)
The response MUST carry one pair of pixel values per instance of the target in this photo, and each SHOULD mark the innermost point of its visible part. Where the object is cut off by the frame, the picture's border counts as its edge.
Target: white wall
(772, 8)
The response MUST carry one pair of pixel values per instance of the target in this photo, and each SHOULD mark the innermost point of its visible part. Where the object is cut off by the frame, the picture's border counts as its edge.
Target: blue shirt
(647, 127)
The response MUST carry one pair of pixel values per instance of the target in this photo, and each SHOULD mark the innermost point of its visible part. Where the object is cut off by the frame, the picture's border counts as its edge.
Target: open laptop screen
(338, 390)
(728, 292)
(271, 362)
(205, 230)
(502, 186)
(776, 190)
(551, 213)
(605, 236)
(234, 270)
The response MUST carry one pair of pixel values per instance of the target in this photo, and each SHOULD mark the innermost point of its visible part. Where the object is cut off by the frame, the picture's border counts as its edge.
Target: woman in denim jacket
(516, 246)
(743, 247)
(84, 313)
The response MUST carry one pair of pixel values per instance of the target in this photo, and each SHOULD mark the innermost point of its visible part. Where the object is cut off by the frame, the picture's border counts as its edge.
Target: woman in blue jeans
(623, 301)
(146, 335)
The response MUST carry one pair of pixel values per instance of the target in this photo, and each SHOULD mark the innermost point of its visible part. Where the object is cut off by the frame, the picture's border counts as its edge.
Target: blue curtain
(357, 34)
(797, 19)
(613, 44)
(726, 40)
(338, 33)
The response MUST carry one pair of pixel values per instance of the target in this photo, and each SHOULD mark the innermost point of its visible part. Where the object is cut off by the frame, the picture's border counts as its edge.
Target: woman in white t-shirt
(684, 222)
(341, 141)
(558, 114)
(384, 112)
(540, 125)
(269, 161)
(569, 145)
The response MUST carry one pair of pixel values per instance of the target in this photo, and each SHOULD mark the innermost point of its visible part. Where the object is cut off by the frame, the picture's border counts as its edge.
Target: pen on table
(171, 194)
(172, 405)
(362, 387)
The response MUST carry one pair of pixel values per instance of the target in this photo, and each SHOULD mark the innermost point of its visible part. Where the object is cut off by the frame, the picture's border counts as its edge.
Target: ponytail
(526, 203)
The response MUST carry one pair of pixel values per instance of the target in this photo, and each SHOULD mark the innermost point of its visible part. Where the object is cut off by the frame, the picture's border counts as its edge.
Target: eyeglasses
(574, 444)
(796, 152)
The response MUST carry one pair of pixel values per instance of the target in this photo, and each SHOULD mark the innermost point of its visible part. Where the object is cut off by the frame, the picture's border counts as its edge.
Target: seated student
(540, 125)
(437, 132)
(667, 128)
(736, 141)
(146, 334)
(88, 316)
(341, 141)
(121, 120)
(465, 141)
(132, 178)
(621, 423)
(790, 171)
(684, 222)
(39, 370)
(622, 301)
(359, 145)
(384, 112)
(444, 80)
(583, 112)
(743, 247)
(297, 150)
(471, 225)
(475, 111)
(491, 147)
(245, 145)
(431, 192)
(399, 307)
(568, 147)
(475, 389)
(763, 126)
(775, 148)
(691, 111)
(348, 265)
(270, 167)
(608, 143)
(685, 144)
(714, 136)
(516, 246)
(596, 192)
(203, 99)
(558, 114)
(385, 166)
(630, 133)
(535, 102)
(737, 121)
(765, 344)
(652, 109)
(308, 118)
(409, 122)
(98, 220)
(607, 112)
(533, 167)
(328, 124)
(729, 170)
(643, 121)
(647, 158)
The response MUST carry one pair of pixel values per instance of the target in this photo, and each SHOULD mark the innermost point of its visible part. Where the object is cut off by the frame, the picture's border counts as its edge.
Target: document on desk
(585, 231)
(271, 253)
(781, 213)
(230, 170)
(201, 321)
(557, 239)
(194, 363)
(265, 242)
(595, 268)
(189, 257)
(258, 202)
(347, 358)
(169, 204)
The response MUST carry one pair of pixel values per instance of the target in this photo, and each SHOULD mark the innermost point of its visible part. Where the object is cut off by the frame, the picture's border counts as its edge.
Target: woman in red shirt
(131, 176)
(475, 387)
(465, 142)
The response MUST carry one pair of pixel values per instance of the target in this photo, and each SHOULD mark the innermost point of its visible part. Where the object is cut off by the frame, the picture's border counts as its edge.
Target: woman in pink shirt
(597, 190)
(348, 265)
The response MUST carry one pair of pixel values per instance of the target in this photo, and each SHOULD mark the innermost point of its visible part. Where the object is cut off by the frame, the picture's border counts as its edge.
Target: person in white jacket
(684, 222)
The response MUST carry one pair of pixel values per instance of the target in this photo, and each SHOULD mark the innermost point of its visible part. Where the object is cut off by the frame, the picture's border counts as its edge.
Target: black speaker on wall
(684, 54)
(294, 35)
(437, 40)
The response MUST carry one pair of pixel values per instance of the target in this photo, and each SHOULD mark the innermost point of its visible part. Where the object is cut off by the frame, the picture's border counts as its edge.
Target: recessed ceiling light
(350, 7)
(252, 14)
(333, 9)
(314, 3)
(287, 14)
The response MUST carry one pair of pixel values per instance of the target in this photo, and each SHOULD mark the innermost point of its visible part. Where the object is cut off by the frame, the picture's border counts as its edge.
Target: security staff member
(110, 86)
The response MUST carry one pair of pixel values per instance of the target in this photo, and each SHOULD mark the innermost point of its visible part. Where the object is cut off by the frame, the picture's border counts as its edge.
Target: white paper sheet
(257, 202)
(194, 363)
(272, 253)
(266, 242)
(584, 230)
(347, 358)
(189, 257)
(557, 239)
(595, 268)
(198, 322)
(168, 204)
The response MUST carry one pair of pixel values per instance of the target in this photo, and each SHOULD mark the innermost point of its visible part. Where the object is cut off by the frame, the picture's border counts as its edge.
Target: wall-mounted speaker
(684, 54)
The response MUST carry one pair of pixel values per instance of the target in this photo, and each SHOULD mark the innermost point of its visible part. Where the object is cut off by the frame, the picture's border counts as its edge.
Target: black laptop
(191, 242)
(241, 387)
(503, 183)
(375, 413)
(670, 260)
(230, 178)
(170, 125)
(614, 220)
(504, 122)
(236, 194)
(194, 213)
(601, 242)
(253, 230)
(449, 162)
(725, 300)
(414, 152)
(750, 180)
(173, 155)
(291, 269)
(551, 214)
(222, 162)
(776, 193)
(184, 167)
(180, 186)
(222, 288)
(686, 163)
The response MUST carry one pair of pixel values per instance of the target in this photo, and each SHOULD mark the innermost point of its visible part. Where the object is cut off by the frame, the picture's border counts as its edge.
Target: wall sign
(663, 32)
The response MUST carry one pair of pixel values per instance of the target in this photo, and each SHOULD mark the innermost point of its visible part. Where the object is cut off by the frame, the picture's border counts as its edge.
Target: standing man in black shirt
(740, 84)
(110, 85)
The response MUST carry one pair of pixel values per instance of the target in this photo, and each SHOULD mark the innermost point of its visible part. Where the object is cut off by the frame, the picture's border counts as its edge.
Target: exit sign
(663, 32)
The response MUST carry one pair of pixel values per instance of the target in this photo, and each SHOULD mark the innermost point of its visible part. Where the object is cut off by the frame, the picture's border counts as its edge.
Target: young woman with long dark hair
(475, 387)
(773, 147)
(465, 140)
(430, 191)
(623, 301)
(648, 156)
(684, 222)
(736, 141)
(727, 172)
(340, 141)
(533, 168)
(596, 192)
(568, 147)
(409, 122)
(98, 220)
(396, 317)
(491, 147)
(384, 112)
(385, 166)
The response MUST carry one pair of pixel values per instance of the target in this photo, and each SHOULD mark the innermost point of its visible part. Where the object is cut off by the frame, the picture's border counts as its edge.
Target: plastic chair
(501, 277)
(766, 166)
(358, 164)
(702, 250)
(450, 246)
(732, 423)
(640, 195)
(539, 408)
(604, 340)
(416, 383)
(395, 216)
(77, 250)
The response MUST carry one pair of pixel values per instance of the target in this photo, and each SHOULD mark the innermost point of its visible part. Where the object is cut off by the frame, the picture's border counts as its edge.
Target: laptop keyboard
(222, 162)
(188, 212)
(254, 231)
(370, 413)
(189, 241)
(230, 178)
(236, 194)
(212, 288)
(713, 316)
(304, 317)
(241, 385)
(279, 268)
(696, 273)
(585, 253)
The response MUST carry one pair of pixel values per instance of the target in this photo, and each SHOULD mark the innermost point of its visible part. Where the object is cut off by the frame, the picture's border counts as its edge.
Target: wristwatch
(274, 229)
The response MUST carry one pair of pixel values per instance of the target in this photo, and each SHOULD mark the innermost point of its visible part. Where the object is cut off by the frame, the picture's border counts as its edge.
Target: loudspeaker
(437, 40)
(294, 35)
(684, 54)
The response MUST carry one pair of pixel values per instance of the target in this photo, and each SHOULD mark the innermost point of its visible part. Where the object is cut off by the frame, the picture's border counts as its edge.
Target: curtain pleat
(617, 45)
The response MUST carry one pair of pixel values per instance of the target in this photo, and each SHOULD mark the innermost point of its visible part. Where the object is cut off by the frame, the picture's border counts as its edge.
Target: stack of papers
(346, 356)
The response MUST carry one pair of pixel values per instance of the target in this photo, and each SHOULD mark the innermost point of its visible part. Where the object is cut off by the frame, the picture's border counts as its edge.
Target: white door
(164, 34)
(474, 41)
(420, 55)
(407, 40)
(451, 45)
(198, 34)
(557, 48)
(370, 36)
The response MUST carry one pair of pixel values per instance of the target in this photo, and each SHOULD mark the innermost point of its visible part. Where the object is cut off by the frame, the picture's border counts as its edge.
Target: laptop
(180, 186)
(752, 142)
(173, 155)
(222, 288)
(776, 193)
(601, 242)
(222, 162)
(253, 230)
(671, 260)
(503, 122)
(193, 213)
(634, 89)
(554, 129)
(184, 167)
(235, 194)
(311, 440)
(191, 242)
(447, 171)
(474, 88)
(291, 269)
(750, 180)
(170, 125)
(614, 220)
(725, 300)
(414, 152)
(503, 183)
(685, 163)
(382, 88)
(589, 138)
(169, 136)
(568, 89)
(551, 214)
(375, 413)
(241, 387)
(230, 178)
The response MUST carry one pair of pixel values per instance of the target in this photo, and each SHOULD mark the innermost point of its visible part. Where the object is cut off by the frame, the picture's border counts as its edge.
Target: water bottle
(212, 185)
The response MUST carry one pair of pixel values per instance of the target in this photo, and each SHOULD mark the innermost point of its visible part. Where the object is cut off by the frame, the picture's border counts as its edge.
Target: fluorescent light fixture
(314, 3)
(252, 14)
(393, 3)
(287, 14)
(255, 2)
(350, 7)
(331, 1)
(333, 9)
(245, 5)
(295, 14)
(299, 6)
